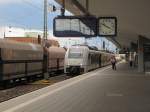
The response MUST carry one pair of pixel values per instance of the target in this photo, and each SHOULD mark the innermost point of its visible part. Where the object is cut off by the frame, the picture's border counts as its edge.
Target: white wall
(2, 32)
(14, 32)
(18, 32)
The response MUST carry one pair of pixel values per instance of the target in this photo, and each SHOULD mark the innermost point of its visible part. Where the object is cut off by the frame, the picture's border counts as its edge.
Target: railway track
(19, 90)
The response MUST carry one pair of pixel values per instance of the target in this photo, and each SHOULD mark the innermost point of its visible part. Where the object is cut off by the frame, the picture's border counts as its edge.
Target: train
(82, 58)
(25, 60)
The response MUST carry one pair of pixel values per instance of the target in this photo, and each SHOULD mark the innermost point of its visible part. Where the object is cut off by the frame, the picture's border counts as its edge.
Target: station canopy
(132, 15)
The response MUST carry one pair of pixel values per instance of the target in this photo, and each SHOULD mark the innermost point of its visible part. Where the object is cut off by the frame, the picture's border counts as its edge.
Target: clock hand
(107, 26)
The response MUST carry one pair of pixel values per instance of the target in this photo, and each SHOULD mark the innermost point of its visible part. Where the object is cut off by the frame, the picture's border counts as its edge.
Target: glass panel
(72, 26)
(75, 55)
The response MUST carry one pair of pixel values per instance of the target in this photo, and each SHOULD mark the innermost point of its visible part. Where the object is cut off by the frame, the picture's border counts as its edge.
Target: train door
(89, 61)
(100, 60)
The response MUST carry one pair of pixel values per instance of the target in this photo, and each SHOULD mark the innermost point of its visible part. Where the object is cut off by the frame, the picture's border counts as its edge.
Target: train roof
(93, 48)
(90, 47)
(10, 44)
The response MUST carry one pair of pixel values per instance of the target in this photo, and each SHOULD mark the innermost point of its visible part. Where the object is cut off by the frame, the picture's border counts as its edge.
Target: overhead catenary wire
(18, 20)
(15, 23)
(32, 5)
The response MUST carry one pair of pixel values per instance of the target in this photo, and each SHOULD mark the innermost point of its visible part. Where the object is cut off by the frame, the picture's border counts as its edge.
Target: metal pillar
(46, 75)
(45, 20)
(87, 6)
(63, 8)
(140, 55)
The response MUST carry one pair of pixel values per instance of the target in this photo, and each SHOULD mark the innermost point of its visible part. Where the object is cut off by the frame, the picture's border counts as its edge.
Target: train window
(93, 59)
(97, 59)
(75, 55)
(89, 56)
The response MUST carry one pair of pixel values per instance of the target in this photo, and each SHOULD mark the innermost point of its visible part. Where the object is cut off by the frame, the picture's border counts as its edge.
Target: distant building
(8, 31)
(33, 33)
(24, 35)
(2, 32)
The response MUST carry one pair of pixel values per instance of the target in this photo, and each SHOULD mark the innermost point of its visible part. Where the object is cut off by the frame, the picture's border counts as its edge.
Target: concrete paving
(102, 90)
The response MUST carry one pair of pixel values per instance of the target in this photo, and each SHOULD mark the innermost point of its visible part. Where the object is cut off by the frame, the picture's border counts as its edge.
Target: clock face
(107, 26)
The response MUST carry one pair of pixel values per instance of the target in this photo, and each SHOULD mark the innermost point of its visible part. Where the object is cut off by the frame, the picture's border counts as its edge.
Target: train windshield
(75, 55)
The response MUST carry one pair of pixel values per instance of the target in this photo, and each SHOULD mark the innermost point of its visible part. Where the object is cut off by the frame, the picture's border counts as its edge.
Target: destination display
(71, 26)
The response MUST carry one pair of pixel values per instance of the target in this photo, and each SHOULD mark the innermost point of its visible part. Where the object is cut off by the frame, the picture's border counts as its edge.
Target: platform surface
(102, 90)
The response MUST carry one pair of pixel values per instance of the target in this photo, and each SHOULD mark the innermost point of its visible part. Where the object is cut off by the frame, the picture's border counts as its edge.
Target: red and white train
(81, 59)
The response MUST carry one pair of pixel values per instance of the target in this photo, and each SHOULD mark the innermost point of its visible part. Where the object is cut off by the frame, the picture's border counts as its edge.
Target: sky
(25, 13)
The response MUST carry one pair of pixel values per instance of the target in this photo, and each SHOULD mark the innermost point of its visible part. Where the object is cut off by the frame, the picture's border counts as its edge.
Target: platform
(102, 90)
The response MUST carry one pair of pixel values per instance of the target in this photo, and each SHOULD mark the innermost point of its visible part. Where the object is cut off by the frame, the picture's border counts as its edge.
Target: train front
(75, 60)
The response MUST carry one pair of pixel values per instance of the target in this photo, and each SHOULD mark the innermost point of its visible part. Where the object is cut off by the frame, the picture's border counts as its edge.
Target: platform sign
(75, 26)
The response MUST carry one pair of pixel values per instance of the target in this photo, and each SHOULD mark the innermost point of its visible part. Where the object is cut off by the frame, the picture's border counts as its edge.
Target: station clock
(107, 26)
